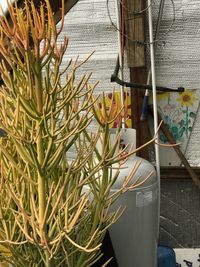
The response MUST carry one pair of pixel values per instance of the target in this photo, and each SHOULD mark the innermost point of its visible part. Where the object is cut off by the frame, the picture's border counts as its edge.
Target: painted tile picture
(178, 111)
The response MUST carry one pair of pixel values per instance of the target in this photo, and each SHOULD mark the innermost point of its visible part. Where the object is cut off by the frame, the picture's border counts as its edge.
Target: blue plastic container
(166, 257)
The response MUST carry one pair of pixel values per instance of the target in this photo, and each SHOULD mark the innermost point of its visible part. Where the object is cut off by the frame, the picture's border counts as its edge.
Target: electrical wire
(144, 113)
(138, 42)
(119, 24)
(140, 12)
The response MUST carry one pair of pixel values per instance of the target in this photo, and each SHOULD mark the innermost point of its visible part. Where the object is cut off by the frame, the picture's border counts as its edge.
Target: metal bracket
(115, 78)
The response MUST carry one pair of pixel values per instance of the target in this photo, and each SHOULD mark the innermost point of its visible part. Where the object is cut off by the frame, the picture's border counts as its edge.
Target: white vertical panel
(178, 56)
(89, 29)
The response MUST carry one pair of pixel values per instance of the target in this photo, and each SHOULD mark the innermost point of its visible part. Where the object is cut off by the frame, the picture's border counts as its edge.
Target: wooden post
(134, 31)
(134, 39)
(138, 75)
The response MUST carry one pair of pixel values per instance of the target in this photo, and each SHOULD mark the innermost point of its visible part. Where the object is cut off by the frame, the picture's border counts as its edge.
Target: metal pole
(120, 58)
(155, 113)
(147, 92)
(160, 14)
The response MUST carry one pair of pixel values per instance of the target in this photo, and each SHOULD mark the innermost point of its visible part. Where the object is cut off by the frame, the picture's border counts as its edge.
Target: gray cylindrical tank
(134, 235)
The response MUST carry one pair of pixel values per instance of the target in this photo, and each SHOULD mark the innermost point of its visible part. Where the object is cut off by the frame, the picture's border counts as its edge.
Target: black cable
(114, 78)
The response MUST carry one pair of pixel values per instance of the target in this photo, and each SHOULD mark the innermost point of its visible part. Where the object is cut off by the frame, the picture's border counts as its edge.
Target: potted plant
(48, 156)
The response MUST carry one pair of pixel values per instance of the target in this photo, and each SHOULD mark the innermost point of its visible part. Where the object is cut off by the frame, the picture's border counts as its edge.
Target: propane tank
(134, 236)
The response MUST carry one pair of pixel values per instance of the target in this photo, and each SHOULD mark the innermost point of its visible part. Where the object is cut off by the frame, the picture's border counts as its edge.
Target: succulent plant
(47, 217)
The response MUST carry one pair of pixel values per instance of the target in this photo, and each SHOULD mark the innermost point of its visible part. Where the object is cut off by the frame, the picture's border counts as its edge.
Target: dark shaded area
(2, 133)
(108, 253)
(180, 216)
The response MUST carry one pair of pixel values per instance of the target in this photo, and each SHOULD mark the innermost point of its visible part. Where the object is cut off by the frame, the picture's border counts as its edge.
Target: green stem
(30, 82)
(105, 151)
(104, 184)
(40, 153)
(48, 263)
(104, 180)
(186, 122)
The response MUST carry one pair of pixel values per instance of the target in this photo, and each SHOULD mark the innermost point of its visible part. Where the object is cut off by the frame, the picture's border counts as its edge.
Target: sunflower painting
(187, 98)
(178, 111)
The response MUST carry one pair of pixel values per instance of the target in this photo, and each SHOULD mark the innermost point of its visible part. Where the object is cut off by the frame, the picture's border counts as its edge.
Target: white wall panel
(178, 56)
(88, 28)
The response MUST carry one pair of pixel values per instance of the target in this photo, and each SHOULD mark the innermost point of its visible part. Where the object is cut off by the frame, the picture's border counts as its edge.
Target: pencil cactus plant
(47, 218)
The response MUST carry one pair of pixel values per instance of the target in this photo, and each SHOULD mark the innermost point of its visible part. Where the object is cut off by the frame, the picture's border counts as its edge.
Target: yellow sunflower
(186, 98)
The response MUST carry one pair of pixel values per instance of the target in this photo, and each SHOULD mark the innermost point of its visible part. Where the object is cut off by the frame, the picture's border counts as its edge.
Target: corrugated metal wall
(88, 27)
(178, 56)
